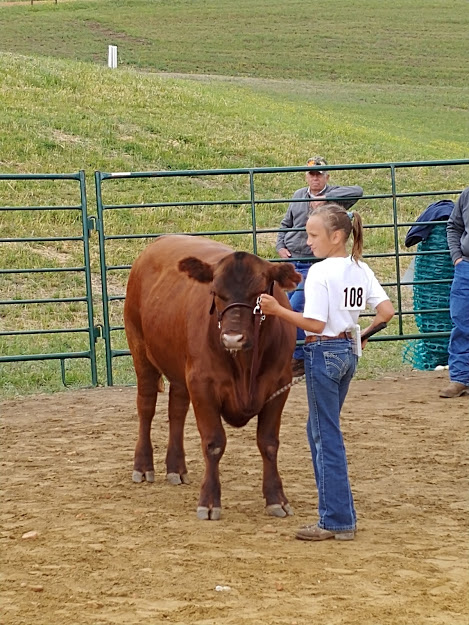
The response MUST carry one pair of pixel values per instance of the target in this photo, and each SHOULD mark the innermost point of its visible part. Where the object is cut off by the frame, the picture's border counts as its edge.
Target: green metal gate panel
(244, 207)
(46, 301)
(45, 261)
(112, 324)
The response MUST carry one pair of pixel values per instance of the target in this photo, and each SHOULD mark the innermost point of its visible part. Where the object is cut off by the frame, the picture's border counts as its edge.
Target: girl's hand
(269, 304)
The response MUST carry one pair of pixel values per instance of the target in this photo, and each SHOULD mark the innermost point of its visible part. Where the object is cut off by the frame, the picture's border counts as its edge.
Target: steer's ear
(285, 275)
(196, 269)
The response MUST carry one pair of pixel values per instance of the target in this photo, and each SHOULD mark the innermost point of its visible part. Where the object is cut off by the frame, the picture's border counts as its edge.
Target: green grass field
(345, 41)
(265, 84)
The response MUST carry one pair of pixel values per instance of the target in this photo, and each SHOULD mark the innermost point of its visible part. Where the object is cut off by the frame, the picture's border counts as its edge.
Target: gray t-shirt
(298, 212)
(457, 229)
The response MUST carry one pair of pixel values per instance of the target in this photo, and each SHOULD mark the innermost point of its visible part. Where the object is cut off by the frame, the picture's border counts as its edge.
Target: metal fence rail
(252, 202)
(243, 207)
(80, 209)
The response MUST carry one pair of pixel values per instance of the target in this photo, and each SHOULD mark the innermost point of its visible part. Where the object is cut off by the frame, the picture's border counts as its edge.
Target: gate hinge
(92, 224)
(97, 332)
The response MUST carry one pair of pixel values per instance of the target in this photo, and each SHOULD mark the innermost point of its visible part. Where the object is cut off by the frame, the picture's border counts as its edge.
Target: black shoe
(297, 367)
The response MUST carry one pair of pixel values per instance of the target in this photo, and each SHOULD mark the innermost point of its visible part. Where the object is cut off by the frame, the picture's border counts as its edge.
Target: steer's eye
(220, 296)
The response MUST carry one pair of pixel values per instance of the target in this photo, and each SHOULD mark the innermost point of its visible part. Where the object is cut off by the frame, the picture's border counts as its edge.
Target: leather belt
(312, 338)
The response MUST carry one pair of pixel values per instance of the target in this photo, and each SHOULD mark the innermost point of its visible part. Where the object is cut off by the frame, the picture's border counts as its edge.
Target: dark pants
(297, 302)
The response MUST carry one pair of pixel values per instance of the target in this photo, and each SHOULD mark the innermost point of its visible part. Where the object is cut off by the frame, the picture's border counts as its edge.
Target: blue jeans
(329, 368)
(459, 340)
(297, 302)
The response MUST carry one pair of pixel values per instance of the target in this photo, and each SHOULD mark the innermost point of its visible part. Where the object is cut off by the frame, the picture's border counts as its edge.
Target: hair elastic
(350, 215)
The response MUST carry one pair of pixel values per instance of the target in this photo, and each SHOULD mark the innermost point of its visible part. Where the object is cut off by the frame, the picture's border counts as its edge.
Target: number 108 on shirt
(353, 298)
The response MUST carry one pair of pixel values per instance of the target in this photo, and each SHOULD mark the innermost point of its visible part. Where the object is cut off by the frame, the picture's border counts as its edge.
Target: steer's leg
(148, 384)
(268, 428)
(176, 471)
(213, 438)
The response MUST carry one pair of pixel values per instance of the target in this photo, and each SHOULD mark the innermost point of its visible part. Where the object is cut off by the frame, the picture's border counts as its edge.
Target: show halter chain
(286, 387)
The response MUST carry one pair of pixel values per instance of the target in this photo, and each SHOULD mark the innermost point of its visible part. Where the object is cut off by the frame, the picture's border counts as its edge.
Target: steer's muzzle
(233, 342)
(235, 323)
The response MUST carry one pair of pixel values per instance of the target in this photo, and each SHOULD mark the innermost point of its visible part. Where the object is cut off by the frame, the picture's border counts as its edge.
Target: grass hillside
(377, 95)
(360, 41)
(63, 115)
(360, 81)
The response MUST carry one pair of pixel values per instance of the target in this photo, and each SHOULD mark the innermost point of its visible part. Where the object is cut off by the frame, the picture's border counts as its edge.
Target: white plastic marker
(356, 340)
(112, 57)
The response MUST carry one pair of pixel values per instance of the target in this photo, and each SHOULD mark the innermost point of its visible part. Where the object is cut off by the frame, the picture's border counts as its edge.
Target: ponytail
(357, 230)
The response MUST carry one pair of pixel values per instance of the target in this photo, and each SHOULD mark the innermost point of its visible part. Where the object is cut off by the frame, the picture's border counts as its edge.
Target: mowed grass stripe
(402, 42)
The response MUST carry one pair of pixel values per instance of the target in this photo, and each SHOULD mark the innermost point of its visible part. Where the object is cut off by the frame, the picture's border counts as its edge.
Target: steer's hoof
(208, 514)
(175, 478)
(138, 476)
(276, 509)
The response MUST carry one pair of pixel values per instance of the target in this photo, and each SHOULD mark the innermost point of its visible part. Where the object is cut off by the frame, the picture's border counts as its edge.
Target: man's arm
(342, 195)
(287, 222)
(455, 226)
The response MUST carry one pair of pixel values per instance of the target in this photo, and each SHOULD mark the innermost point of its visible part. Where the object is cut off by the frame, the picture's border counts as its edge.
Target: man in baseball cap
(316, 161)
(291, 244)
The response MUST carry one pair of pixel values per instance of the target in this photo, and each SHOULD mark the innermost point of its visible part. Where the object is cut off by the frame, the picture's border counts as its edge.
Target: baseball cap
(316, 161)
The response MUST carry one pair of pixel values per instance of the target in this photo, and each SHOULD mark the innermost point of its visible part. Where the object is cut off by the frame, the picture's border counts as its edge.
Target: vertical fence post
(102, 261)
(253, 212)
(396, 248)
(89, 289)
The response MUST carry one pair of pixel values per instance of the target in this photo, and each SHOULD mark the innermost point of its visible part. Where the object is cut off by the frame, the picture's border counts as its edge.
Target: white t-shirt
(337, 290)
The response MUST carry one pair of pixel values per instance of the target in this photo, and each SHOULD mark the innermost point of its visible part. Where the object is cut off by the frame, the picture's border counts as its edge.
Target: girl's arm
(384, 313)
(270, 306)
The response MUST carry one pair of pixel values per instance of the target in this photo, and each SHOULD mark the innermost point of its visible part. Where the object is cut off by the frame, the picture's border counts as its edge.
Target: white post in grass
(112, 57)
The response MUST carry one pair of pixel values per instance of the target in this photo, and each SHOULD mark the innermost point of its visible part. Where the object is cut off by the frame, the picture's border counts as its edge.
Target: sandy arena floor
(110, 552)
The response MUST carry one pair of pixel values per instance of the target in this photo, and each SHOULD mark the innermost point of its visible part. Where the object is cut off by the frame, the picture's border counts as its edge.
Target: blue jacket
(438, 211)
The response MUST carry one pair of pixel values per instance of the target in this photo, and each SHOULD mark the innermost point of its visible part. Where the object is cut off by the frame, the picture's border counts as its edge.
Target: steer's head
(237, 281)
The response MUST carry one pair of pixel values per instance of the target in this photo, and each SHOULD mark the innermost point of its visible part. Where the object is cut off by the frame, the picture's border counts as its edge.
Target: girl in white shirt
(337, 289)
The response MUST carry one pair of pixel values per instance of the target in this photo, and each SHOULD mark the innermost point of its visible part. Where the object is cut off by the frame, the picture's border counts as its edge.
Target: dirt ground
(108, 551)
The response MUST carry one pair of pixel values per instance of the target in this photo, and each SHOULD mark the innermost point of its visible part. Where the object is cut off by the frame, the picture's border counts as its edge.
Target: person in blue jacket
(457, 231)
